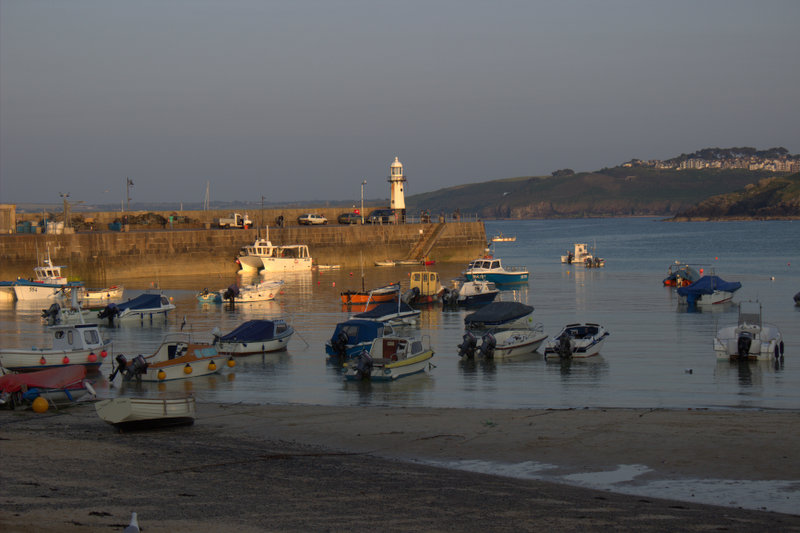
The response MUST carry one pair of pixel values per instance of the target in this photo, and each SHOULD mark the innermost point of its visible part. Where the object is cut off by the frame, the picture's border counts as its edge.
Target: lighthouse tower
(396, 184)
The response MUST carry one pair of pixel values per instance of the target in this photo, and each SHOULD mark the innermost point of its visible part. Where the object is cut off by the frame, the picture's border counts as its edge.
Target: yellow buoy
(40, 405)
(187, 369)
(162, 374)
(231, 362)
(212, 366)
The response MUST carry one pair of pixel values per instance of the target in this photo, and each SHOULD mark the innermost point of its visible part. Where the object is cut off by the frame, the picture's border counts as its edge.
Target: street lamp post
(362, 200)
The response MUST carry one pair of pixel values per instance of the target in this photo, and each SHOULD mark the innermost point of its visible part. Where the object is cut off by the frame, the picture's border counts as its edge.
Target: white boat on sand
(576, 341)
(146, 413)
(750, 339)
(78, 344)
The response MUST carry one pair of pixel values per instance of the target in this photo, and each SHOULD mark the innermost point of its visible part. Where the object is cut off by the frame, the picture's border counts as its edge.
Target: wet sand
(315, 468)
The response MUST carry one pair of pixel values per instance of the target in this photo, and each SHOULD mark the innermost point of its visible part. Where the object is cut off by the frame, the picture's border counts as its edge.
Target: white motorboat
(385, 263)
(144, 306)
(61, 314)
(576, 341)
(490, 268)
(73, 344)
(258, 292)
(507, 343)
(255, 336)
(177, 357)
(250, 256)
(708, 290)
(504, 238)
(750, 338)
(470, 293)
(50, 283)
(582, 256)
(95, 296)
(390, 358)
(145, 413)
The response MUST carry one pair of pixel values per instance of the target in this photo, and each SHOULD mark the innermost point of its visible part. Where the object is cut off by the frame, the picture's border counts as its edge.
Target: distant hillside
(774, 197)
(618, 191)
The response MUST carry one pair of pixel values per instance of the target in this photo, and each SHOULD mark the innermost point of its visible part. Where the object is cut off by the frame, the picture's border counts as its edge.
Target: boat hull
(144, 413)
(499, 278)
(253, 347)
(387, 370)
(765, 343)
(39, 359)
(286, 264)
(518, 343)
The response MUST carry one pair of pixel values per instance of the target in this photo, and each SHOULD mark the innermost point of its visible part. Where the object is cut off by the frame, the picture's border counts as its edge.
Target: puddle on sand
(780, 496)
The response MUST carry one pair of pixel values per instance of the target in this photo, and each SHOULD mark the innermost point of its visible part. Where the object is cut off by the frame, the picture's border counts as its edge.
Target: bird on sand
(133, 527)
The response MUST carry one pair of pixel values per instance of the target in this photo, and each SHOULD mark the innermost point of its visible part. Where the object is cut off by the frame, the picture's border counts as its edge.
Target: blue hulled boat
(490, 268)
(351, 337)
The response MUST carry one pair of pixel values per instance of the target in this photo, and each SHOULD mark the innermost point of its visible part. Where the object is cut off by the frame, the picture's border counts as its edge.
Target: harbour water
(658, 355)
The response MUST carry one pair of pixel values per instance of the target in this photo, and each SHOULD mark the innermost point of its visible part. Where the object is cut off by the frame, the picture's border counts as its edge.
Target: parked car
(381, 216)
(310, 218)
(349, 218)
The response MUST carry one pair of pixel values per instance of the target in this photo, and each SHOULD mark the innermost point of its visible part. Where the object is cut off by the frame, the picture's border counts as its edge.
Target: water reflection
(589, 369)
(748, 374)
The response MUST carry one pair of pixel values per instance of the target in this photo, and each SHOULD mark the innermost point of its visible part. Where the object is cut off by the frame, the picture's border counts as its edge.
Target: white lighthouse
(397, 182)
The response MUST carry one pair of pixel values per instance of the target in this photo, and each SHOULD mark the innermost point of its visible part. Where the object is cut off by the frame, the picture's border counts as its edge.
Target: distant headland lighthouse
(397, 181)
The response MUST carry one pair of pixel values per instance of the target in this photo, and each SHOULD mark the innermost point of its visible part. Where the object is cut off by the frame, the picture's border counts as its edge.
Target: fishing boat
(385, 293)
(489, 268)
(178, 357)
(708, 290)
(50, 283)
(469, 293)
(391, 313)
(255, 336)
(352, 336)
(73, 345)
(507, 343)
(56, 385)
(424, 287)
(250, 256)
(264, 256)
(209, 297)
(576, 341)
(750, 339)
(500, 314)
(504, 238)
(582, 256)
(262, 291)
(146, 413)
(681, 275)
(390, 358)
(150, 306)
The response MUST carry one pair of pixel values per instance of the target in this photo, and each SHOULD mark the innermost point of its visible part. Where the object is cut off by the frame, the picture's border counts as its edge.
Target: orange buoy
(162, 374)
(40, 405)
(187, 369)
(103, 354)
(92, 358)
(231, 362)
(212, 366)
(65, 360)
(42, 361)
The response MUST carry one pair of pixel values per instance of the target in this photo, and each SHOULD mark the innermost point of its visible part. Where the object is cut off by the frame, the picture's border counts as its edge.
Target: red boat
(58, 384)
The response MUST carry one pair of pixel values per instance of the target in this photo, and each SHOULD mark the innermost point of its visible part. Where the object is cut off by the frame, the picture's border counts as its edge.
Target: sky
(303, 100)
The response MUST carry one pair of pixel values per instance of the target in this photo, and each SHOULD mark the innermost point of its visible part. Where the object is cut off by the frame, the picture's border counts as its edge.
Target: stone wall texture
(106, 256)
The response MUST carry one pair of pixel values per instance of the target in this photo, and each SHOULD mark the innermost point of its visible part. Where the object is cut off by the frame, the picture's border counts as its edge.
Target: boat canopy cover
(143, 301)
(359, 330)
(709, 284)
(49, 378)
(251, 331)
(498, 313)
(385, 309)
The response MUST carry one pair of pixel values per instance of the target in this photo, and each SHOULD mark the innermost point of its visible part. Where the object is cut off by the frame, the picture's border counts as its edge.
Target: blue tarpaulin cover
(251, 331)
(384, 309)
(359, 330)
(707, 285)
(143, 301)
(498, 313)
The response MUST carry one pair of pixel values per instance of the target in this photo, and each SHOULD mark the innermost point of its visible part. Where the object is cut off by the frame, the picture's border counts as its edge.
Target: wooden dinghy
(146, 413)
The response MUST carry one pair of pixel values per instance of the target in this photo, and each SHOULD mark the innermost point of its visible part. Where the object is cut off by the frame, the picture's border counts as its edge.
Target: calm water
(644, 363)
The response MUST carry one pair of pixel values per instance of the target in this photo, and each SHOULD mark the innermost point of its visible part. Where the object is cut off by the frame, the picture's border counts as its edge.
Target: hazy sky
(302, 100)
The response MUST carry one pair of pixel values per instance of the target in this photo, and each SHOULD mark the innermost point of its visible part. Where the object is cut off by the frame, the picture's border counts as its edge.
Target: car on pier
(381, 216)
(349, 218)
(311, 219)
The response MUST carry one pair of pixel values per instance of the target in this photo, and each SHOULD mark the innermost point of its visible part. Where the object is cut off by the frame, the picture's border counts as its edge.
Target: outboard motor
(488, 345)
(136, 368)
(110, 311)
(450, 298)
(339, 344)
(364, 365)
(408, 296)
(52, 314)
(565, 347)
(122, 363)
(231, 293)
(468, 345)
(743, 344)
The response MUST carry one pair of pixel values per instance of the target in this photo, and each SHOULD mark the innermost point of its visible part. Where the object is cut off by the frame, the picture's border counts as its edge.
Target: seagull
(184, 322)
(133, 527)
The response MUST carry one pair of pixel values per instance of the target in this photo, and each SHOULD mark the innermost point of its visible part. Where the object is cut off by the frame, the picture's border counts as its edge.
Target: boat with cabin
(490, 268)
(582, 256)
(750, 339)
(266, 257)
(73, 345)
(352, 336)
(390, 358)
(424, 287)
(681, 275)
(254, 337)
(469, 293)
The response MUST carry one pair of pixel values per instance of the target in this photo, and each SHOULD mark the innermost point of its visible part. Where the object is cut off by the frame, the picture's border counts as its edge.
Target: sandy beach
(316, 468)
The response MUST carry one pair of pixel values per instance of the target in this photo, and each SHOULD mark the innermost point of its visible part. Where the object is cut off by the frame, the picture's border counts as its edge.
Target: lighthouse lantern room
(397, 183)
